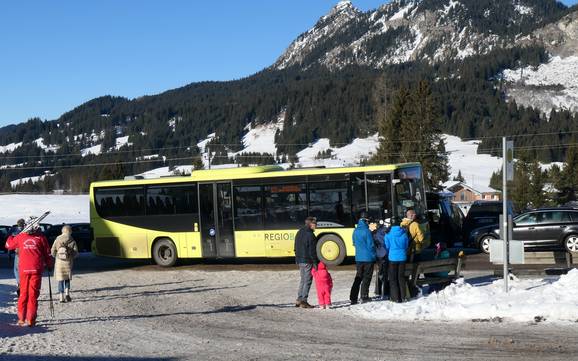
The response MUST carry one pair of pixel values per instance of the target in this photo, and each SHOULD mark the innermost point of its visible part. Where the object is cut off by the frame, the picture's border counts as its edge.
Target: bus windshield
(409, 191)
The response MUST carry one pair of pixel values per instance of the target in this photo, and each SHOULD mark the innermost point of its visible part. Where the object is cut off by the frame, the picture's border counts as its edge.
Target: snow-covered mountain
(406, 30)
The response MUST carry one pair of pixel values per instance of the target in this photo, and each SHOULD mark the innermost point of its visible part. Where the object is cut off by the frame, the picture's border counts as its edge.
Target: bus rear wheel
(331, 250)
(165, 252)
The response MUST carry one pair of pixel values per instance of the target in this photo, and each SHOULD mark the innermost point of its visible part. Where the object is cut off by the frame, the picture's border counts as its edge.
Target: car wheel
(331, 250)
(165, 253)
(571, 243)
(485, 243)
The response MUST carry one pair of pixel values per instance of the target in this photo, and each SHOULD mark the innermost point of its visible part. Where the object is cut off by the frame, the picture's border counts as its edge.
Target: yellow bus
(246, 212)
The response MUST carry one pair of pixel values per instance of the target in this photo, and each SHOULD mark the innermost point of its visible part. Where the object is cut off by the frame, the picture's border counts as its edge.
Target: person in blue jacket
(364, 260)
(397, 242)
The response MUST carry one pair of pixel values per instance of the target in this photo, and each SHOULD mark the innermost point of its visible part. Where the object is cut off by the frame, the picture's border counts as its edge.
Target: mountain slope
(323, 88)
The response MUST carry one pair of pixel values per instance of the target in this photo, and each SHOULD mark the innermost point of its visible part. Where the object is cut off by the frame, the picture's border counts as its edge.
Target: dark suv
(482, 213)
(546, 229)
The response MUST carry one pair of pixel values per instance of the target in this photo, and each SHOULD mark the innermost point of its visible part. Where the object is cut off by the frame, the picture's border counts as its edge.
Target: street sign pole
(507, 175)
(505, 212)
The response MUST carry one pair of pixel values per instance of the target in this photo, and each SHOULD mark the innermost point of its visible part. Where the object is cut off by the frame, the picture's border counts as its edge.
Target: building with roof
(465, 193)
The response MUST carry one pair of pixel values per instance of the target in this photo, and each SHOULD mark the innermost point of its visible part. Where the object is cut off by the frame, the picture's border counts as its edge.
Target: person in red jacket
(33, 257)
(323, 284)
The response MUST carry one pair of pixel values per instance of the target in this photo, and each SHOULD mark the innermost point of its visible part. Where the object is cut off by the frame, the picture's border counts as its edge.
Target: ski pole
(50, 294)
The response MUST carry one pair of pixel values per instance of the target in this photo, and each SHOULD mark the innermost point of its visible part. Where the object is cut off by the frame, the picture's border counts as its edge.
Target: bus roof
(270, 171)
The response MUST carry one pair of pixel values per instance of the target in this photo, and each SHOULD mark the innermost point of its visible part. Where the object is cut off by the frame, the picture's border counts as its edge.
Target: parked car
(81, 232)
(483, 213)
(445, 219)
(4, 233)
(542, 229)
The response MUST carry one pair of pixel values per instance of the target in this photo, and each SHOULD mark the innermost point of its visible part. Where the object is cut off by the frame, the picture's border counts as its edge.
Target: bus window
(119, 201)
(329, 202)
(172, 199)
(379, 196)
(357, 194)
(409, 191)
(248, 208)
(285, 205)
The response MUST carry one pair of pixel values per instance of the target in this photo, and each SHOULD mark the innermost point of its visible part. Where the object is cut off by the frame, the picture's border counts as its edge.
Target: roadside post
(507, 175)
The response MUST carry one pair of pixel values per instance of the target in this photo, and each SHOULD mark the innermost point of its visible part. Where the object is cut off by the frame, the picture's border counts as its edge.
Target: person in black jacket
(306, 258)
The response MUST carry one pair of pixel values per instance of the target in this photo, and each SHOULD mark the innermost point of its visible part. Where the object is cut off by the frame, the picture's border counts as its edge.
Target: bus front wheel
(165, 252)
(331, 250)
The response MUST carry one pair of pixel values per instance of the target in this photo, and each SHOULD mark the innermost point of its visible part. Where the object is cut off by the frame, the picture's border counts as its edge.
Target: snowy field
(231, 313)
(64, 208)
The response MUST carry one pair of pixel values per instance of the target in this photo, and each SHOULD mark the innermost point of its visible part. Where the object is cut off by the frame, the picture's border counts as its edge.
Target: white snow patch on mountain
(47, 148)
(548, 300)
(401, 13)
(347, 155)
(121, 142)
(261, 139)
(95, 150)
(9, 148)
(167, 172)
(63, 208)
(463, 156)
(550, 85)
(523, 9)
(25, 180)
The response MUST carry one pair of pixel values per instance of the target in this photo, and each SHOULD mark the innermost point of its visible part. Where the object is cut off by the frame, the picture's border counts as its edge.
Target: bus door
(378, 193)
(216, 208)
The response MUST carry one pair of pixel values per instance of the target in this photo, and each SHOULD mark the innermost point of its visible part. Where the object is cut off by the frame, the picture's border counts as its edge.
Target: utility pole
(505, 211)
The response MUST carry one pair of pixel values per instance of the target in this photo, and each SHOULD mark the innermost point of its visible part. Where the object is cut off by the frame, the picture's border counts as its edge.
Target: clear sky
(55, 55)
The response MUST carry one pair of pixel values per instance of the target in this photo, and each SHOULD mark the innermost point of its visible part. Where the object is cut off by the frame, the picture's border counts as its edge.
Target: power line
(209, 144)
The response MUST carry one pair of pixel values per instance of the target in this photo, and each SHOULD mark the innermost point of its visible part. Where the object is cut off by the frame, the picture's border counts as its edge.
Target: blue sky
(55, 55)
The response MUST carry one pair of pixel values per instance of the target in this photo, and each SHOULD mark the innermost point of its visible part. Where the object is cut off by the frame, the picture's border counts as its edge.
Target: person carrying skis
(64, 250)
(34, 257)
(15, 231)
(323, 284)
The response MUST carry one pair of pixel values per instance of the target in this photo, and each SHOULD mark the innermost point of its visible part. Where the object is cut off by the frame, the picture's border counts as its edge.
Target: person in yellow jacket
(418, 234)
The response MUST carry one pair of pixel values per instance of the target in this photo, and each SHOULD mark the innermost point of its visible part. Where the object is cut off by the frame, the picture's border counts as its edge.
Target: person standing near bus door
(364, 260)
(64, 250)
(306, 258)
(397, 243)
(34, 256)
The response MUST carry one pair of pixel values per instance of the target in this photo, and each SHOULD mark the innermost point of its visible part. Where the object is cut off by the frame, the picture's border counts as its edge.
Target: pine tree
(459, 177)
(536, 197)
(568, 181)
(389, 120)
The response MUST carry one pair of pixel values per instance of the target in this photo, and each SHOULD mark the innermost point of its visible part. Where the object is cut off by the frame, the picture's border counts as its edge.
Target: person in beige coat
(64, 250)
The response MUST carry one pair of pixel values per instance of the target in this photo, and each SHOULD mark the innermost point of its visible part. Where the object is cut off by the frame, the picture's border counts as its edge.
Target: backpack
(425, 230)
(62, 253)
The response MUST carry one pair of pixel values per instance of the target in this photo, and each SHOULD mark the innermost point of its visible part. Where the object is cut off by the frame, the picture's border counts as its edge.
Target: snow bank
(528, 301)
(167, 172)
(64, 208)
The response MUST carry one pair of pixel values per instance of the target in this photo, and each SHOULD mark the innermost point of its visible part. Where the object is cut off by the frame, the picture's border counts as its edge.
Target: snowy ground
(476, 168)
(64, 208)
(240, 313)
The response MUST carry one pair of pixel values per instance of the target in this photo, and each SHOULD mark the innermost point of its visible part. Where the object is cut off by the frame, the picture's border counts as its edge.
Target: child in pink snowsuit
(323, 284)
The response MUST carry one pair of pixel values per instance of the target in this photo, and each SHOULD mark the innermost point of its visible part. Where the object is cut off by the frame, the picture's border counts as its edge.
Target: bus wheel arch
(331, 249)
(164, 252)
